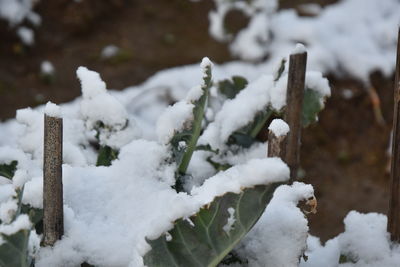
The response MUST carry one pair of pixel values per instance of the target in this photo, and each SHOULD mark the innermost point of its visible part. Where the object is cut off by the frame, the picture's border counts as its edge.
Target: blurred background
(344, 156)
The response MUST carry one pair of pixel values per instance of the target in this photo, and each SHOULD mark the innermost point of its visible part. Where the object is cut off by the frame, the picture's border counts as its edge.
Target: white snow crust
(299, 49)
(173, 120)
(332, 36)
(47, 68)
(279, 127)
(52, 110)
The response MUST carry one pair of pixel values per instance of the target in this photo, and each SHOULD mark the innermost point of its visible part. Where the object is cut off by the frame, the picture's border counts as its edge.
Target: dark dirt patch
(344, 155)
(153, 34)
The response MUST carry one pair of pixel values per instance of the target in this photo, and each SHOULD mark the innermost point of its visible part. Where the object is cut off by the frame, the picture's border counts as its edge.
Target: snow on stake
(294, 100)
(53, 219)
(394, 202)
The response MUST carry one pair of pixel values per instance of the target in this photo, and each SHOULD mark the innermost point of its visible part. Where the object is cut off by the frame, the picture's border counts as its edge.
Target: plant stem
(254, 132)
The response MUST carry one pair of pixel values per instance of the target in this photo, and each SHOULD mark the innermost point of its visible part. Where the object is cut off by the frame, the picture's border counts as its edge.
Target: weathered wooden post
(278, 130)
(393, 226)
(53, 214)
(294, 104)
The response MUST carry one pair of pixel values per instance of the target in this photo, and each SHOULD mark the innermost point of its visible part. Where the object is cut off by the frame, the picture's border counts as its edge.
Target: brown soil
(344, 155)
(153, 34)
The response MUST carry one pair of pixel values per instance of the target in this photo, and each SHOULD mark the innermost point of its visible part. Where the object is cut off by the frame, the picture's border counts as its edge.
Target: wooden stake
(294, 100)
(394, 202)
(276, 145)
(53, 214)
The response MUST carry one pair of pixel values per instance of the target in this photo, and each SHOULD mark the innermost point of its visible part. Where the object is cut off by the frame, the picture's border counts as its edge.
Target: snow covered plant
(188, 199)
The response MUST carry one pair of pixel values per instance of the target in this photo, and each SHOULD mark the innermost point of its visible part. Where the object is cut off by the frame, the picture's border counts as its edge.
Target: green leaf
(8, 170)
(311, 107)
(218, 166)
(203, 241)
(106, 156)
(35, 216)
(234, 258)
(246, 136)
(280, 71)
(14, 251)
(183, 154)
(207, 148)
(231, 87)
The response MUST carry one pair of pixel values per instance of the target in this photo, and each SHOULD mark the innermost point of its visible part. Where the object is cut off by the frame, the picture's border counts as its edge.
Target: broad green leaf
(8, 170)
(205, 240)
(231, 87)
(311, 107)
(14, 251)
(189, 136)
(20, 193)
(106, 156)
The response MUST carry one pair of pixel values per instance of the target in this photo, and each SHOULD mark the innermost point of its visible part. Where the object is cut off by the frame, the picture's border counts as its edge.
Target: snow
(248, 102)
(333, 46)
(20, 178)
(255, 171)
(364, 242)
(174, 120)
(98, 106)
(109, 51)
(205, 63)
(91, 82)
(26, 35)
(194, 94)
(8, 210)
(52, 110)
(365, 237)
(279, 127)
(21, 223)
(33, 192)
(15, 11)
(97, 222)
(279, 237)
(47, 68)
(299, 49)
(347, 94)
(260, 94)
(131, 200)
(97, 199)
(231, 220)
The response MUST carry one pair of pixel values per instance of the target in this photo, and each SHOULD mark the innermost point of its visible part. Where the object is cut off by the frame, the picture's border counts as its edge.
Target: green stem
(254, 132)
